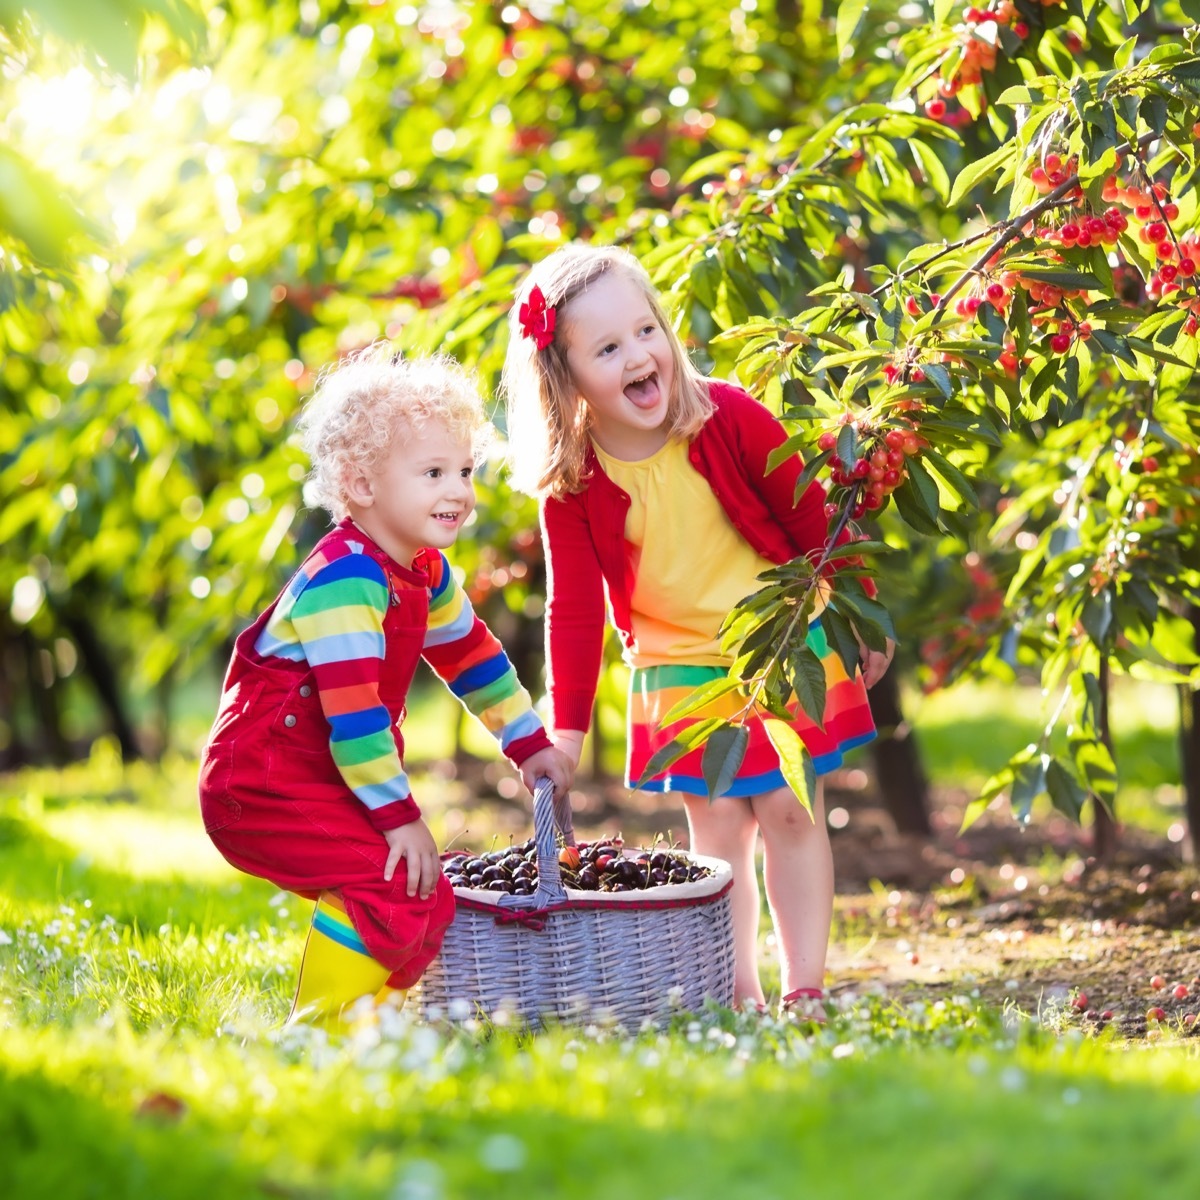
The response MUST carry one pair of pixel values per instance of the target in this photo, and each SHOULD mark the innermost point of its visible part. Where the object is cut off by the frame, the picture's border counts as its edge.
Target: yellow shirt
(690, 565)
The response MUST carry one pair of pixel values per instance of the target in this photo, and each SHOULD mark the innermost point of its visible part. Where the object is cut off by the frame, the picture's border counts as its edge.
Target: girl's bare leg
(726, 828)
(798, 873)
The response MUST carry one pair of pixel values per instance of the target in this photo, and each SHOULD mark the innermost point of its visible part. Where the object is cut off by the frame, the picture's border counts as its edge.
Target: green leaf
(847, 445)
(850, 549)
(34, 209)
(939, 375)
(1061, 277)
(723, 757)
(808, 682)
(923, 486)
(712, 164)
(680, 745)
(1017, 94)
(795, 761)
(978, 170)
(973, 812)
(791, 447)
(910, 508)
(1095, 765)
(953, 477)
(931, 166)
(874, 622)
(849, 20)
(1097, 616)
(700, 698)
(840, 634)
(1066, 794)
(1029, 781)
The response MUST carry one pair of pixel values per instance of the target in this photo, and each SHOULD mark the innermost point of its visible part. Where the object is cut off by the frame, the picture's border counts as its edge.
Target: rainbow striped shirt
(331, 617)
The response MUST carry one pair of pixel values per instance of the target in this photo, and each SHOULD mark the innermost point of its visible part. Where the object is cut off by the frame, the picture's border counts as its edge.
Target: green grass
(143, 983)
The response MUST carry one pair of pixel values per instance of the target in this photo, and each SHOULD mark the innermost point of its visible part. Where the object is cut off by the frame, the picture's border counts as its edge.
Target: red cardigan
(584, 536)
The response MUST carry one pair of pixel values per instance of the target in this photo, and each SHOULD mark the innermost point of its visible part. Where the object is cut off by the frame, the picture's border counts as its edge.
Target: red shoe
(804, 1004)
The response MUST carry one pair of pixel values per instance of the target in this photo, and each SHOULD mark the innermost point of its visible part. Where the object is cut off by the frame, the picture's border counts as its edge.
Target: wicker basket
(570, 955)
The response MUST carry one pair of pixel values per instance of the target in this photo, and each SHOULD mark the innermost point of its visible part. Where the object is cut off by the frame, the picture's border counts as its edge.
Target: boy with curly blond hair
(302, 780)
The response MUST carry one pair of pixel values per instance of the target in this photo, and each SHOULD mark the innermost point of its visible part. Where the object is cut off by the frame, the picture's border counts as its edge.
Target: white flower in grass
(420, 1180)
(5, 940)
(1012, 1079)
(459, 1009)
(503, 1152)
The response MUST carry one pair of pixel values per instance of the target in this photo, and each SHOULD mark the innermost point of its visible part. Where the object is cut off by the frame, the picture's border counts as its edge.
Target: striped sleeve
(467, 656)
(338, 618)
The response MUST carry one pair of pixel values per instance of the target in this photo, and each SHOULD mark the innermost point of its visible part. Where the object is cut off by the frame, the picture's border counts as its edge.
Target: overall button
(305, 690)
(289, 720)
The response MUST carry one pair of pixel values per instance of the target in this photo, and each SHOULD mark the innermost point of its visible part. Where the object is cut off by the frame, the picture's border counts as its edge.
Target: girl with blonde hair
(656, 502)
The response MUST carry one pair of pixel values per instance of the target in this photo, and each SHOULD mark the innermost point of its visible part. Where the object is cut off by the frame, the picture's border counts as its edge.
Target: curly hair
(547, 422)
(368, 399)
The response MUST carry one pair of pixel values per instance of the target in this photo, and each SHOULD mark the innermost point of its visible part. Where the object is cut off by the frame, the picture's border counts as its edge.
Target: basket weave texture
(570, 955)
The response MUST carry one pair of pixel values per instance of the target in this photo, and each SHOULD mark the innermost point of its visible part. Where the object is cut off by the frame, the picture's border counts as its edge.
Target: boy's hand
(414, 843)
(552, 763)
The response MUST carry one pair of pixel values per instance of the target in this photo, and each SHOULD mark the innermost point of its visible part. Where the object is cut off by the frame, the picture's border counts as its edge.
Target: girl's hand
(413, 843)
(554, 764)
(874, 663)
(570, 742)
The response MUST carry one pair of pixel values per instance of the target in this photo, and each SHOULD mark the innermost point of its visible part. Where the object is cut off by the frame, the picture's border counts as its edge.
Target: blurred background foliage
(203, 203)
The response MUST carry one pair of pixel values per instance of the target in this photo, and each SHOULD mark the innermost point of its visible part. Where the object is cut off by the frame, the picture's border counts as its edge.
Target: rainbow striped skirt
(653, 691)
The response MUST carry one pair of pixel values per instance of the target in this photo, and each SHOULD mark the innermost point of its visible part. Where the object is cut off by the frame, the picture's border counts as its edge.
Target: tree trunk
(1189, 744)
(103, 675)
(897, 760)
(1104, 827)
(43, 696)
(15, 753)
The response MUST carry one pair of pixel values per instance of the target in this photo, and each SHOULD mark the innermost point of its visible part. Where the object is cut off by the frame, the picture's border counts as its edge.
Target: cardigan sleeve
(803, 519)
(575, 620)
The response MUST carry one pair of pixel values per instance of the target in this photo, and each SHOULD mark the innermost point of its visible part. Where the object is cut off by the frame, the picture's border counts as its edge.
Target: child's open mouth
(447, 518)
(644, 392)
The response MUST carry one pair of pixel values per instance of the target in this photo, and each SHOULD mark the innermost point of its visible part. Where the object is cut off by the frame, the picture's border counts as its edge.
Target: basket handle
(550, 817)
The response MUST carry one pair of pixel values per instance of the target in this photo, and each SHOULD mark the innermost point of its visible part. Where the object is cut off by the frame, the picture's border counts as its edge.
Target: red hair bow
(537, 318)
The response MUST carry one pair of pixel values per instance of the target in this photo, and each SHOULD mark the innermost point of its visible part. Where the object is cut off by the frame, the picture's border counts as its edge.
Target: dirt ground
(1026, 916)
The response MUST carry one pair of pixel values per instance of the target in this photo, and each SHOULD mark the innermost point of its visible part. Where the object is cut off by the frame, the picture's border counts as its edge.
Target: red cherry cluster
(1009, 363)
(1052, 172)
(874, 476)
(425, 293)
(1177, 258)
(976, 52)
(1062, 341)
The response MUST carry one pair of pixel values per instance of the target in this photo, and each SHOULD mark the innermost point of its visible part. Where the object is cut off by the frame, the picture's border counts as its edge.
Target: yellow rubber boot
(336, 969)
(390, 997)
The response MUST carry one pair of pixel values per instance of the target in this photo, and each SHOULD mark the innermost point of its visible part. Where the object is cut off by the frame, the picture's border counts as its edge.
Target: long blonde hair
(547, 422)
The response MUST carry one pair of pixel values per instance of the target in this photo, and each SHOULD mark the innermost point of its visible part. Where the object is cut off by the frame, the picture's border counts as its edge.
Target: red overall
(276, 806)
